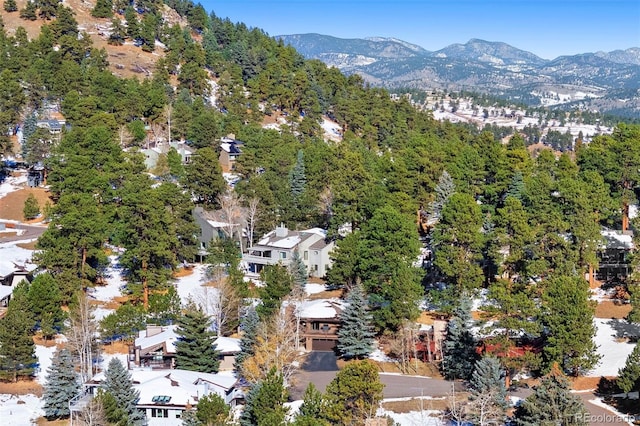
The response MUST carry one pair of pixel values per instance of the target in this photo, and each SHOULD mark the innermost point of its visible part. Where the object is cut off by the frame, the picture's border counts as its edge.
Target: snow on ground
(45, 358)
(19, 410)
(10, 252)
(191, 284)
(311, 288)
(616, 416)
(332, 130)
(415, 418)
(378, 355)
(112, 289)
(12, 183)
(614, 353)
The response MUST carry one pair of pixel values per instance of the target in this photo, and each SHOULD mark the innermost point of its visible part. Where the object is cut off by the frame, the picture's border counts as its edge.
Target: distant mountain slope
(485, 66)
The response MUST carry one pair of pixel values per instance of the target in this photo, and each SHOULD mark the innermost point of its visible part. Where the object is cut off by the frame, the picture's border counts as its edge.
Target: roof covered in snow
(227, 345)
(152, 338)
(284, 238)
(618, 239)
(321, 308)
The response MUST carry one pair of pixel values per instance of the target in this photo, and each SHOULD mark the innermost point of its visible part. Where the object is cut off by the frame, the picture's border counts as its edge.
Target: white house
(278, 246)
(165, 395)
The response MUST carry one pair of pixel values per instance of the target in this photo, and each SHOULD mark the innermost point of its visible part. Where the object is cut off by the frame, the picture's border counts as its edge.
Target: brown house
(154, 348)
(319, 324)
(230, 150)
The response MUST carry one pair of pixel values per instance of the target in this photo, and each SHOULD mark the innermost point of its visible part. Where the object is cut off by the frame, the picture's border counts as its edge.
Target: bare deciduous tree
(81, 336)
(275, 347)
(232, 214)
(252, 218)
(220, 301)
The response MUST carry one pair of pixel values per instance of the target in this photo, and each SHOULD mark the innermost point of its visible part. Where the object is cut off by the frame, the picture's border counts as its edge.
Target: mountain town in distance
(200, 225)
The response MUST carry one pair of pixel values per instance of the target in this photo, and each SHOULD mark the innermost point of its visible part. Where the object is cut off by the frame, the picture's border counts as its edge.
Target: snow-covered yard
(614, 351)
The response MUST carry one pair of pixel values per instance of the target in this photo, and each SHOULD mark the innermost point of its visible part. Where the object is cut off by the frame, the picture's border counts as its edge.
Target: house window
(315, 325)
(283, 255)
(315, 268)
(306, 255)
(160, 412)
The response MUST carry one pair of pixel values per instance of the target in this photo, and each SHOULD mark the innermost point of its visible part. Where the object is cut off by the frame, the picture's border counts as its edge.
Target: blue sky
(546, 28)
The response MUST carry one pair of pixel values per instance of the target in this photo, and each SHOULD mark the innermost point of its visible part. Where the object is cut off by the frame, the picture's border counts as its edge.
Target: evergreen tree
(31, 208)
(17, 350)
(45, 301)
(265, 402)
(203, 177)
(298, 271)
(629, 376)
(211, 410)
(298, 178)
(102, 9)
(568, 319)
(29, 127)
(311, 411)
(249, 327)
(118, 384)
(29, 11)
(444, 189)
(356, 334)
(277, 284)
(47, 8)
(459, 345)
(195, 350)
(488, 392)
(354, 394)
(133, 26)
(118, 32)
(62, 386)
(10, 6)
(552, 403)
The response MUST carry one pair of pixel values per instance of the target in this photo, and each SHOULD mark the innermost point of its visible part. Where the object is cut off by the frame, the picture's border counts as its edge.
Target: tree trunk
(625, 216)
(145, 286)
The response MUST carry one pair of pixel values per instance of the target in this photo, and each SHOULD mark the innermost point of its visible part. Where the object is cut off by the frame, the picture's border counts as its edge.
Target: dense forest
(526, 229)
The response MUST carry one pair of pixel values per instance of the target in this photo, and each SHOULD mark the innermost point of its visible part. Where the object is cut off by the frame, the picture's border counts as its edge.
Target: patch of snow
(13, 183)
(312, 288)
(616, 416)
(45, 358)
(378, 355)
(189, 286)
(416, 418)
(614, 353)
(114, 282)
(20, 410)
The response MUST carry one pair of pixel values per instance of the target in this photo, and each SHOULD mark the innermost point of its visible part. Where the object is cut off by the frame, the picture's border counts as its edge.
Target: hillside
(124, 61)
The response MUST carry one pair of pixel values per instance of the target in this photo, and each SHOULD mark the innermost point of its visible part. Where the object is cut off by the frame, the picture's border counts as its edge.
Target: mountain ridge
(591, 80)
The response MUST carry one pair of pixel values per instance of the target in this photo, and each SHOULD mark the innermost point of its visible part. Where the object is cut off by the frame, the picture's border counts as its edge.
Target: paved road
(31, 232)
(321, 368)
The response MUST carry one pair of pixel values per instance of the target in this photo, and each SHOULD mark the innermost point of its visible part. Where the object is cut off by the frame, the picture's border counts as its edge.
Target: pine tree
(45, 301)
(102, 9)
(212, 410)
(249, 327)
(356, 334)
(298, 271)
(118, 32)
(265, 402)
(31, 208)
(354, 394)
(568, 319)
(311, 411)
(629, 376)
(195, 350)
(552, 403)
(277, 284)
(444, 189)
(62, 386)
(459, 345)
(30, 125)
(29, 11)
(487, 392)
(17, 350)
(10, 6)
(297, 177)
(118, 385)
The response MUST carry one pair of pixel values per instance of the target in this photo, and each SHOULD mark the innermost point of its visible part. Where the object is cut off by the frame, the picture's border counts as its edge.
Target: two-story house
(278, 246)
(230, 150)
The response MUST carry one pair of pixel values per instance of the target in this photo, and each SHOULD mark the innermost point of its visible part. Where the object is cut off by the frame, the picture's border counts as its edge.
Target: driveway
(30, 232)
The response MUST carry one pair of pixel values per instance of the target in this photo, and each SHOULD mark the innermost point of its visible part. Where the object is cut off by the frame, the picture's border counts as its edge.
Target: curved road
(31, 232)
(320, 368)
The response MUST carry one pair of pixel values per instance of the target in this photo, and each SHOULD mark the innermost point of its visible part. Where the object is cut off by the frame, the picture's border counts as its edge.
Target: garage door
(323, 344)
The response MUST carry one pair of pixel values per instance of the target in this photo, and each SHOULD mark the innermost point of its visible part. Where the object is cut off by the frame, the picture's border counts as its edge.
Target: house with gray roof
(279, 245)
